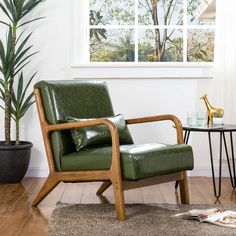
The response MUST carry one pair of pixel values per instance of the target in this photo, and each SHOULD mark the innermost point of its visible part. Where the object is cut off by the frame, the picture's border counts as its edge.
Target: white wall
(132, 97)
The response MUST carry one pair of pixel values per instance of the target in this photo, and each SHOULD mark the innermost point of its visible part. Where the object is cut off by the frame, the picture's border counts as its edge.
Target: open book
(214, 216)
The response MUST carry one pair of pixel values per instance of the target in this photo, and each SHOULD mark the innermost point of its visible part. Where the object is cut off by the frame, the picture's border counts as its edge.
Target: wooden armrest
(173, 118)
(79, 124)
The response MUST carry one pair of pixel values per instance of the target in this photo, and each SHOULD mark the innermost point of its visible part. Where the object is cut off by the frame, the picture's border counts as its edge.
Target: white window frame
(81, 67)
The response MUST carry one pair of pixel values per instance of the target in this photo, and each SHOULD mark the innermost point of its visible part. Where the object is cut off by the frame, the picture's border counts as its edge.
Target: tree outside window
(149, 31)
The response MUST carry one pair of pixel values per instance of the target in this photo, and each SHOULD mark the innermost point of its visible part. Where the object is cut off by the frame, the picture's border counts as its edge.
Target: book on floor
(214, 216)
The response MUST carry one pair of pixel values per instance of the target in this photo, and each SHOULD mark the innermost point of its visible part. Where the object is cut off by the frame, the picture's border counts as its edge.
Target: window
(150, 31)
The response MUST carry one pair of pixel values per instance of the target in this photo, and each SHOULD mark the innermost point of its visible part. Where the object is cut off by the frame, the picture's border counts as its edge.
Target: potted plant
(15, 54)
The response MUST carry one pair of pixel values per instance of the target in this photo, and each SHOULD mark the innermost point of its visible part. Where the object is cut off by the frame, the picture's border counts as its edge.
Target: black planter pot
(14, 161)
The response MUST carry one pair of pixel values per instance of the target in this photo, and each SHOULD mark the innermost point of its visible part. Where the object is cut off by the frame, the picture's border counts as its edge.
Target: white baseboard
(206, 171)
(37, 172)
(198, 171)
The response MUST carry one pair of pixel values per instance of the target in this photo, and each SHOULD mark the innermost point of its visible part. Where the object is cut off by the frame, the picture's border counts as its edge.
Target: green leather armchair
(85, 108)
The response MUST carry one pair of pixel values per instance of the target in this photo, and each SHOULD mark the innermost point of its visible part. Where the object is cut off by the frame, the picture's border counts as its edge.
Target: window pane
(201, 45)
(116, 46)
(195, 11)
(160, 12)
(169, 48)
(112, 12)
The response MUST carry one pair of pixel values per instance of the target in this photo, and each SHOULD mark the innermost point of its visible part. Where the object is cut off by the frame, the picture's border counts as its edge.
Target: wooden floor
(17, 217)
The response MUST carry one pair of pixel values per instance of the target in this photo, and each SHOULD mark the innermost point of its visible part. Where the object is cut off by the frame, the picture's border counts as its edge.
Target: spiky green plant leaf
(21, 46)
(26, 88)
(9, 41)
(28, 22)
(4, 9)
(4, 23)
(22, 61)
(20, 56)
(30, 6)
(18, 70)
(20, 102)
(20, 87)
(15, 54)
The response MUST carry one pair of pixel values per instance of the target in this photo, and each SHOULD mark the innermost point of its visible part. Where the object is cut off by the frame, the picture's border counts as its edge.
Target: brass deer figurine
(211, 110)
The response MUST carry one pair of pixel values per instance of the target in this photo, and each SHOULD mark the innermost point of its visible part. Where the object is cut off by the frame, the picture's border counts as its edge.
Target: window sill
(142, 64)
(143, 70)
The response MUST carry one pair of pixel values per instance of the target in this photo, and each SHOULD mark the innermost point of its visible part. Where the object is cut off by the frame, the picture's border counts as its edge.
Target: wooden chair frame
(109, 177)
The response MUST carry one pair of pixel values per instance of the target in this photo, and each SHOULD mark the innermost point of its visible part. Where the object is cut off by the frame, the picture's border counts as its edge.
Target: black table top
(215, 128)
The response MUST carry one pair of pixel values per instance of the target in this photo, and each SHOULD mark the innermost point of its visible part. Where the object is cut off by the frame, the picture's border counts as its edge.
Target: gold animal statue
(211, 110)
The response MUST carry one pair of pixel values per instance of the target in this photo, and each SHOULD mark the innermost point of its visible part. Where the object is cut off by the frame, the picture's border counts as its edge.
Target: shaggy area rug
(143, 220)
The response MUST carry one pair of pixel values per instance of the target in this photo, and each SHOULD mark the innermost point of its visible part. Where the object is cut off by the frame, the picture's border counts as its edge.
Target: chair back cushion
(72, 98)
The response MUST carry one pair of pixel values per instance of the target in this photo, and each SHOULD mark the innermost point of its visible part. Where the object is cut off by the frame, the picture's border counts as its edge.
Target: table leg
(217, 195)
(186, 138)
(228, 161)
(232, 151)
(185, 135)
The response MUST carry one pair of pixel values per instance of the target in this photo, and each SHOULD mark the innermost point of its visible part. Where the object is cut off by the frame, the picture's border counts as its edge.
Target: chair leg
(103, 187)
(50, 183)
(184, 192)
(119, 200)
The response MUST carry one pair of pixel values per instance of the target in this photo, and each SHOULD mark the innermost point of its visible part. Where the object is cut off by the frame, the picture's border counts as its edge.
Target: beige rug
(143, 220)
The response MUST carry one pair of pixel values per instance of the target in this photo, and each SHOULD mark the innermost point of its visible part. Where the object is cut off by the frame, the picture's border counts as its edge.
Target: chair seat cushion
(138, 161)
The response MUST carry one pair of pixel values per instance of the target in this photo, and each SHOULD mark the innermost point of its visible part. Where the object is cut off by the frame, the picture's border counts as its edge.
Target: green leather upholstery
(138, 161)
(75, 98)
(90, 99)
(95, 136)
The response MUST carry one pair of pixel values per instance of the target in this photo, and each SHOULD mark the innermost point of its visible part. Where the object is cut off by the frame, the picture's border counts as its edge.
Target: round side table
(222, 130)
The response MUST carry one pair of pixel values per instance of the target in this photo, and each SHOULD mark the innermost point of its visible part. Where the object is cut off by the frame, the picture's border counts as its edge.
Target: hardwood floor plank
(152, 194)
(17, 213)
(17, 217)
(11, 197)
(36, 225)
(226, 195)
(37, 220)
(89, 194)
(168, 193)
(133, 196)
(197, 193)
(49, 203)
(3, 189)
(73, 193)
